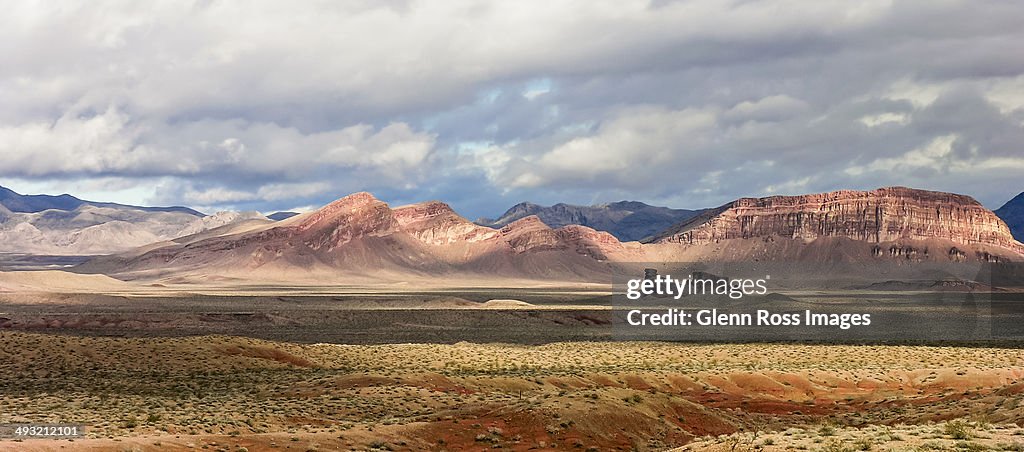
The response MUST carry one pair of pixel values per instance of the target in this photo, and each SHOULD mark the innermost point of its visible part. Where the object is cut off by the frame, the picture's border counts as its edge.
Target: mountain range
(19, 203)
(1013, 214)
(278, 216)
(66, 225)
(359, 236)
(626, 220)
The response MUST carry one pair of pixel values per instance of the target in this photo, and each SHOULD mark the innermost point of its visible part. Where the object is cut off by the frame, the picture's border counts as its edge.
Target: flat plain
(233, 367)
(235, 393)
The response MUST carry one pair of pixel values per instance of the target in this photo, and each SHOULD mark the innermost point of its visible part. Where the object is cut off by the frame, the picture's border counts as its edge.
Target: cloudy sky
(272, 105)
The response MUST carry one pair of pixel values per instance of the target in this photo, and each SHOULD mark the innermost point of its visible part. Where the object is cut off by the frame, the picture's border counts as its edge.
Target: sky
(271, 105)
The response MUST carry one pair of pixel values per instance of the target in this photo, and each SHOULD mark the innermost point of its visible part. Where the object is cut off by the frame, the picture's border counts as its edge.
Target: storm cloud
(282, 105)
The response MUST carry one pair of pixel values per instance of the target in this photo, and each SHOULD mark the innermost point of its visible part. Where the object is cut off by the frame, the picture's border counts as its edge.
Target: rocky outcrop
(626, 220)
(590, 242)
(348, 218)
(436, 223)
(360, 236)
(516, 212)
(530, 234)
(876, 216)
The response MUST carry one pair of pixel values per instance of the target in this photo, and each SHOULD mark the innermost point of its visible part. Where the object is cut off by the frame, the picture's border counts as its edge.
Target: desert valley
(361, 326)
(465, 225)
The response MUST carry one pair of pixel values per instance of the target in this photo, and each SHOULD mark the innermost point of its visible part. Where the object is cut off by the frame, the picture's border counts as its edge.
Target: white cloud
(172, 57)
(72, 143)
(111, 142)
(919, 94)
(791, 187)
(880, 119)
(1007, 93)
(934, 156)
(215, 196)
(270, 192)
(621, 149)
(274, 105)
(771, 108)
(393, 150)
(279, 192)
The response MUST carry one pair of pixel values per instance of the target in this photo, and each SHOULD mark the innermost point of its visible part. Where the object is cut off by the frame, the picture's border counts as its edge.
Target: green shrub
(957, 430)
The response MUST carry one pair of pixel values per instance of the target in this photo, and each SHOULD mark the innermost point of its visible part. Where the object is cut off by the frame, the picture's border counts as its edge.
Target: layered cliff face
(359, 236)
(877, 216)
(436, 223)
(341, 221)
(530, 234)
(597, 244)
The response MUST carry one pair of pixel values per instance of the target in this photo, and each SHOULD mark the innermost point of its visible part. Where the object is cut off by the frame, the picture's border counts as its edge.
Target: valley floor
(235, 393)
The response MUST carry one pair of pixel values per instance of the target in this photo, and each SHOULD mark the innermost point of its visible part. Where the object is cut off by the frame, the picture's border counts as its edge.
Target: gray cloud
(689, 103)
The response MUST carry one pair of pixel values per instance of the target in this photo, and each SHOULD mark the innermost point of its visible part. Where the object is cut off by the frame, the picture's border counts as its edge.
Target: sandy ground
(953, 435)
(229, 393)
(248, 373)
(64, 282)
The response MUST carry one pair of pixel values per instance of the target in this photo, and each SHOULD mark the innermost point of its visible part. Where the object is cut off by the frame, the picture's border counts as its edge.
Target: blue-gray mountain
(278, 216)
(626, 220)
(1013, 214)
(19, 203)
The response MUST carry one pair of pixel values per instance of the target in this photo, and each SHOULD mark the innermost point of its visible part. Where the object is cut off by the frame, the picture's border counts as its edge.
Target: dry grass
(953, 435)
(645, 396)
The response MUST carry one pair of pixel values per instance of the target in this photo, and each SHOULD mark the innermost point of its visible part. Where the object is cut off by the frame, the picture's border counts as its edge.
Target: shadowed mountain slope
(37, 203)
(626, 220)
(1013, 214)
(360, 238)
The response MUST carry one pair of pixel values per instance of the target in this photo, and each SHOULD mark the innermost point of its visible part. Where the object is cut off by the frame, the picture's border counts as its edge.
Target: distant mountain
(626, 220)
(1013, 214)
(19, 203)
(278, 216)
(217, 220)
(897, 222)
(66, 225)
(359, 238)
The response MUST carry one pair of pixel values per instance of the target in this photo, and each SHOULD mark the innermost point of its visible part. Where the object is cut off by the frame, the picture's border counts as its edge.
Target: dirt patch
(259, 352)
